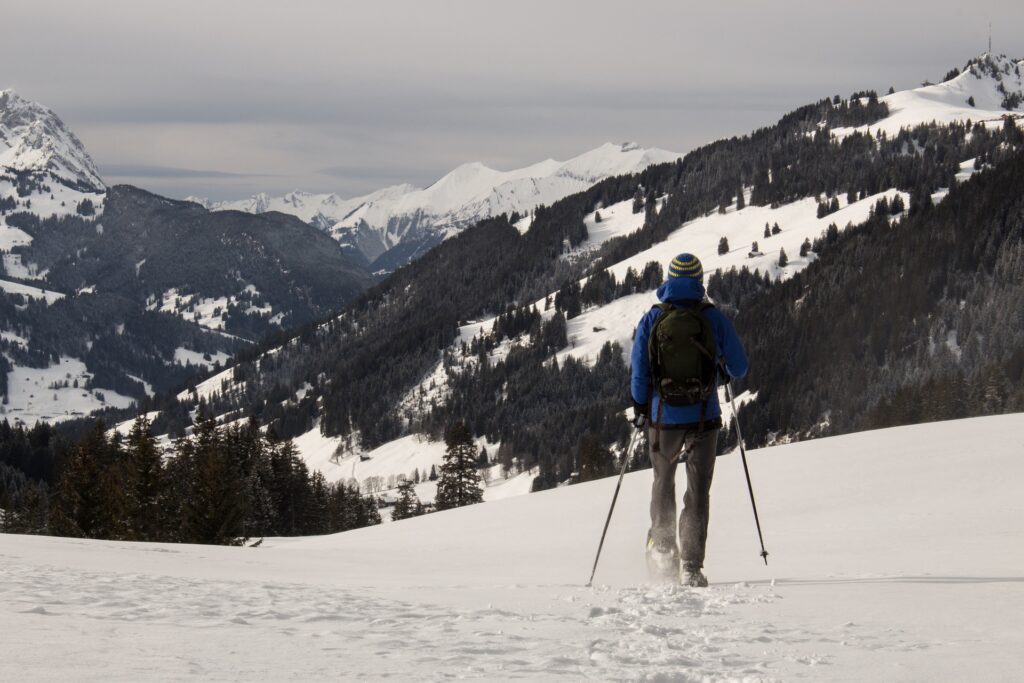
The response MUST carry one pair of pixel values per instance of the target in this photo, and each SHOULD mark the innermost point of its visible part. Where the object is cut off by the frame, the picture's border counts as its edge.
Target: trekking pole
(625, 463)
(746, 470)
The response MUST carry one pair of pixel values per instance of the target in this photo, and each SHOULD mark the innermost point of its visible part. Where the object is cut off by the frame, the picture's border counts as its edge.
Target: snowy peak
(614, 159)
(34, 139)
(987, 89)
(382, 221)
(996, 80)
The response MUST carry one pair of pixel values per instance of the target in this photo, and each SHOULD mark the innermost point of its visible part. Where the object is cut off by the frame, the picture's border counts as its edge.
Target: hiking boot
(692, 576)
(662, 562)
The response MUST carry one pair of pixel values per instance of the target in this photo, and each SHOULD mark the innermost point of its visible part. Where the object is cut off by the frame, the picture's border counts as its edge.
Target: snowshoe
(693, 577)
(662, 563)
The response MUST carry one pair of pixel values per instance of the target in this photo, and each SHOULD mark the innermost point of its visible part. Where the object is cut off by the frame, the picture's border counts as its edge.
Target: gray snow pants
(697, 450)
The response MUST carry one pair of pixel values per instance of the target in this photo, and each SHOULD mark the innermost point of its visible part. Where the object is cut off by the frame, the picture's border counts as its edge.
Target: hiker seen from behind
(680, 349)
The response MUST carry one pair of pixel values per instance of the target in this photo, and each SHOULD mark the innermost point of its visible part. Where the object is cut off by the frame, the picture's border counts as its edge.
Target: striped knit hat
(686, 265)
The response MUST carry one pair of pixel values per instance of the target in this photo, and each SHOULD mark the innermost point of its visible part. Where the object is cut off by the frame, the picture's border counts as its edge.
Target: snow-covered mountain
(110, 295)
(34, 140)
(395, 224)
(988, 88)
(339, 454)
(883, 566)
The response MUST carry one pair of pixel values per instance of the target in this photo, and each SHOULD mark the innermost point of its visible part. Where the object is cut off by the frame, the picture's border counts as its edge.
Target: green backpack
(681, 349)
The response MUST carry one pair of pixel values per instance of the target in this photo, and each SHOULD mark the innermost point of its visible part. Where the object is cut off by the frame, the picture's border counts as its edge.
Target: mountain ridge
(37, 141)
(406, 220)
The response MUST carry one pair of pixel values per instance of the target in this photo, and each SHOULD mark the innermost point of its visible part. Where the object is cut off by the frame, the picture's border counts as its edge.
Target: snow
(39, 394)
(49, 296)
(210, 385)
(14, 267)
(946, 103)
(467, 194)
(33, 138)
(183, 356)
(617, 220)
(890, 560)
(14, 338)
(125, 428)
(208, 312)
(339, 461)
(11, 237)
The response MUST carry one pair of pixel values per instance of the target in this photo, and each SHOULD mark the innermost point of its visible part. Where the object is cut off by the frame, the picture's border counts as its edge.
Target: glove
(640, 416)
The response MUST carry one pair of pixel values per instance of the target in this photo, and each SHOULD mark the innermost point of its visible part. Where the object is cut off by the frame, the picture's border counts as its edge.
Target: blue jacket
(683, 291)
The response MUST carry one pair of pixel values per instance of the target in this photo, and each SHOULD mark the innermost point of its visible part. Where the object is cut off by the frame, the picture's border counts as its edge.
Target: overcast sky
(223, 99)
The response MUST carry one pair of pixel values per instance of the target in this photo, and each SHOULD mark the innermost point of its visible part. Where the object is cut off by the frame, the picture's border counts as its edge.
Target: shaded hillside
(920, 321)
(152, 289)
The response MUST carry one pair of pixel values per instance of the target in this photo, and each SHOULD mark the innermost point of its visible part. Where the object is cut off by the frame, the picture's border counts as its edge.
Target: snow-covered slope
(419, 218)
(883, 566)
(44, 168)
(34, 139)
(990, 82)
(321, 210)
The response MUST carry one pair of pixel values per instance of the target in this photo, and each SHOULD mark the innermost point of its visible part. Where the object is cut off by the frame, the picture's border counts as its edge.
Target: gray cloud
(347, 97)
(143, 171)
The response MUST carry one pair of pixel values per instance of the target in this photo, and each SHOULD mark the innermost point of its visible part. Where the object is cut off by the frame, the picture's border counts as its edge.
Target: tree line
(220, 485)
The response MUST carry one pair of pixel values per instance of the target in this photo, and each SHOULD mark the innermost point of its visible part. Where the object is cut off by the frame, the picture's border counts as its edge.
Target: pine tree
(740, 202)
(595, 461)
(783, 259)
(597, 216)
(767, 231)
(805, 247)
(638, 200)
(214, 511)
(408, 503)
(459, 483)
(776, 229)
(723, 246)
(87, 503)
(145, 472)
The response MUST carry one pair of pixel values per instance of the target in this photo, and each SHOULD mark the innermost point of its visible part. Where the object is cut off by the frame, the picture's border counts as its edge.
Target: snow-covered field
(400, 458)
(56, 393)
(896, 555)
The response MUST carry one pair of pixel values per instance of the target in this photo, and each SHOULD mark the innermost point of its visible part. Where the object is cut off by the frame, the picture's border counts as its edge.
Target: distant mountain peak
(384, 220)
(34, 139)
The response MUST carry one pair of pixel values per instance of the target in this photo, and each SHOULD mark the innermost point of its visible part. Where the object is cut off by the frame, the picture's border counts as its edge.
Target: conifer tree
(805, 247)
(145, 473)
(767, 231)
(723, 246)
(214, 511)
(408, 503)
(638, 200)
(459, 483)
(776, 229)
(783, 259)
(595, 461)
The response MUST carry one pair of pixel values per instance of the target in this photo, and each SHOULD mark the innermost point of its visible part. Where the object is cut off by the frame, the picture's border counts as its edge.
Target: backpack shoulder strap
(700, 308)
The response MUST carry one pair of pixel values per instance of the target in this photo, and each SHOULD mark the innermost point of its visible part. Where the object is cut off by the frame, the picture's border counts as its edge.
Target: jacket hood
(681, 289)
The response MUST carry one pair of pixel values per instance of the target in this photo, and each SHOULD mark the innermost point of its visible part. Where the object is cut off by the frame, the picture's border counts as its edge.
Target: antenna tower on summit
(990, 37)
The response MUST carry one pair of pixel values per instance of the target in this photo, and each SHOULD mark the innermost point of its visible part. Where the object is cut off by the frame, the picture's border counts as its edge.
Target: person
(681, 433)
